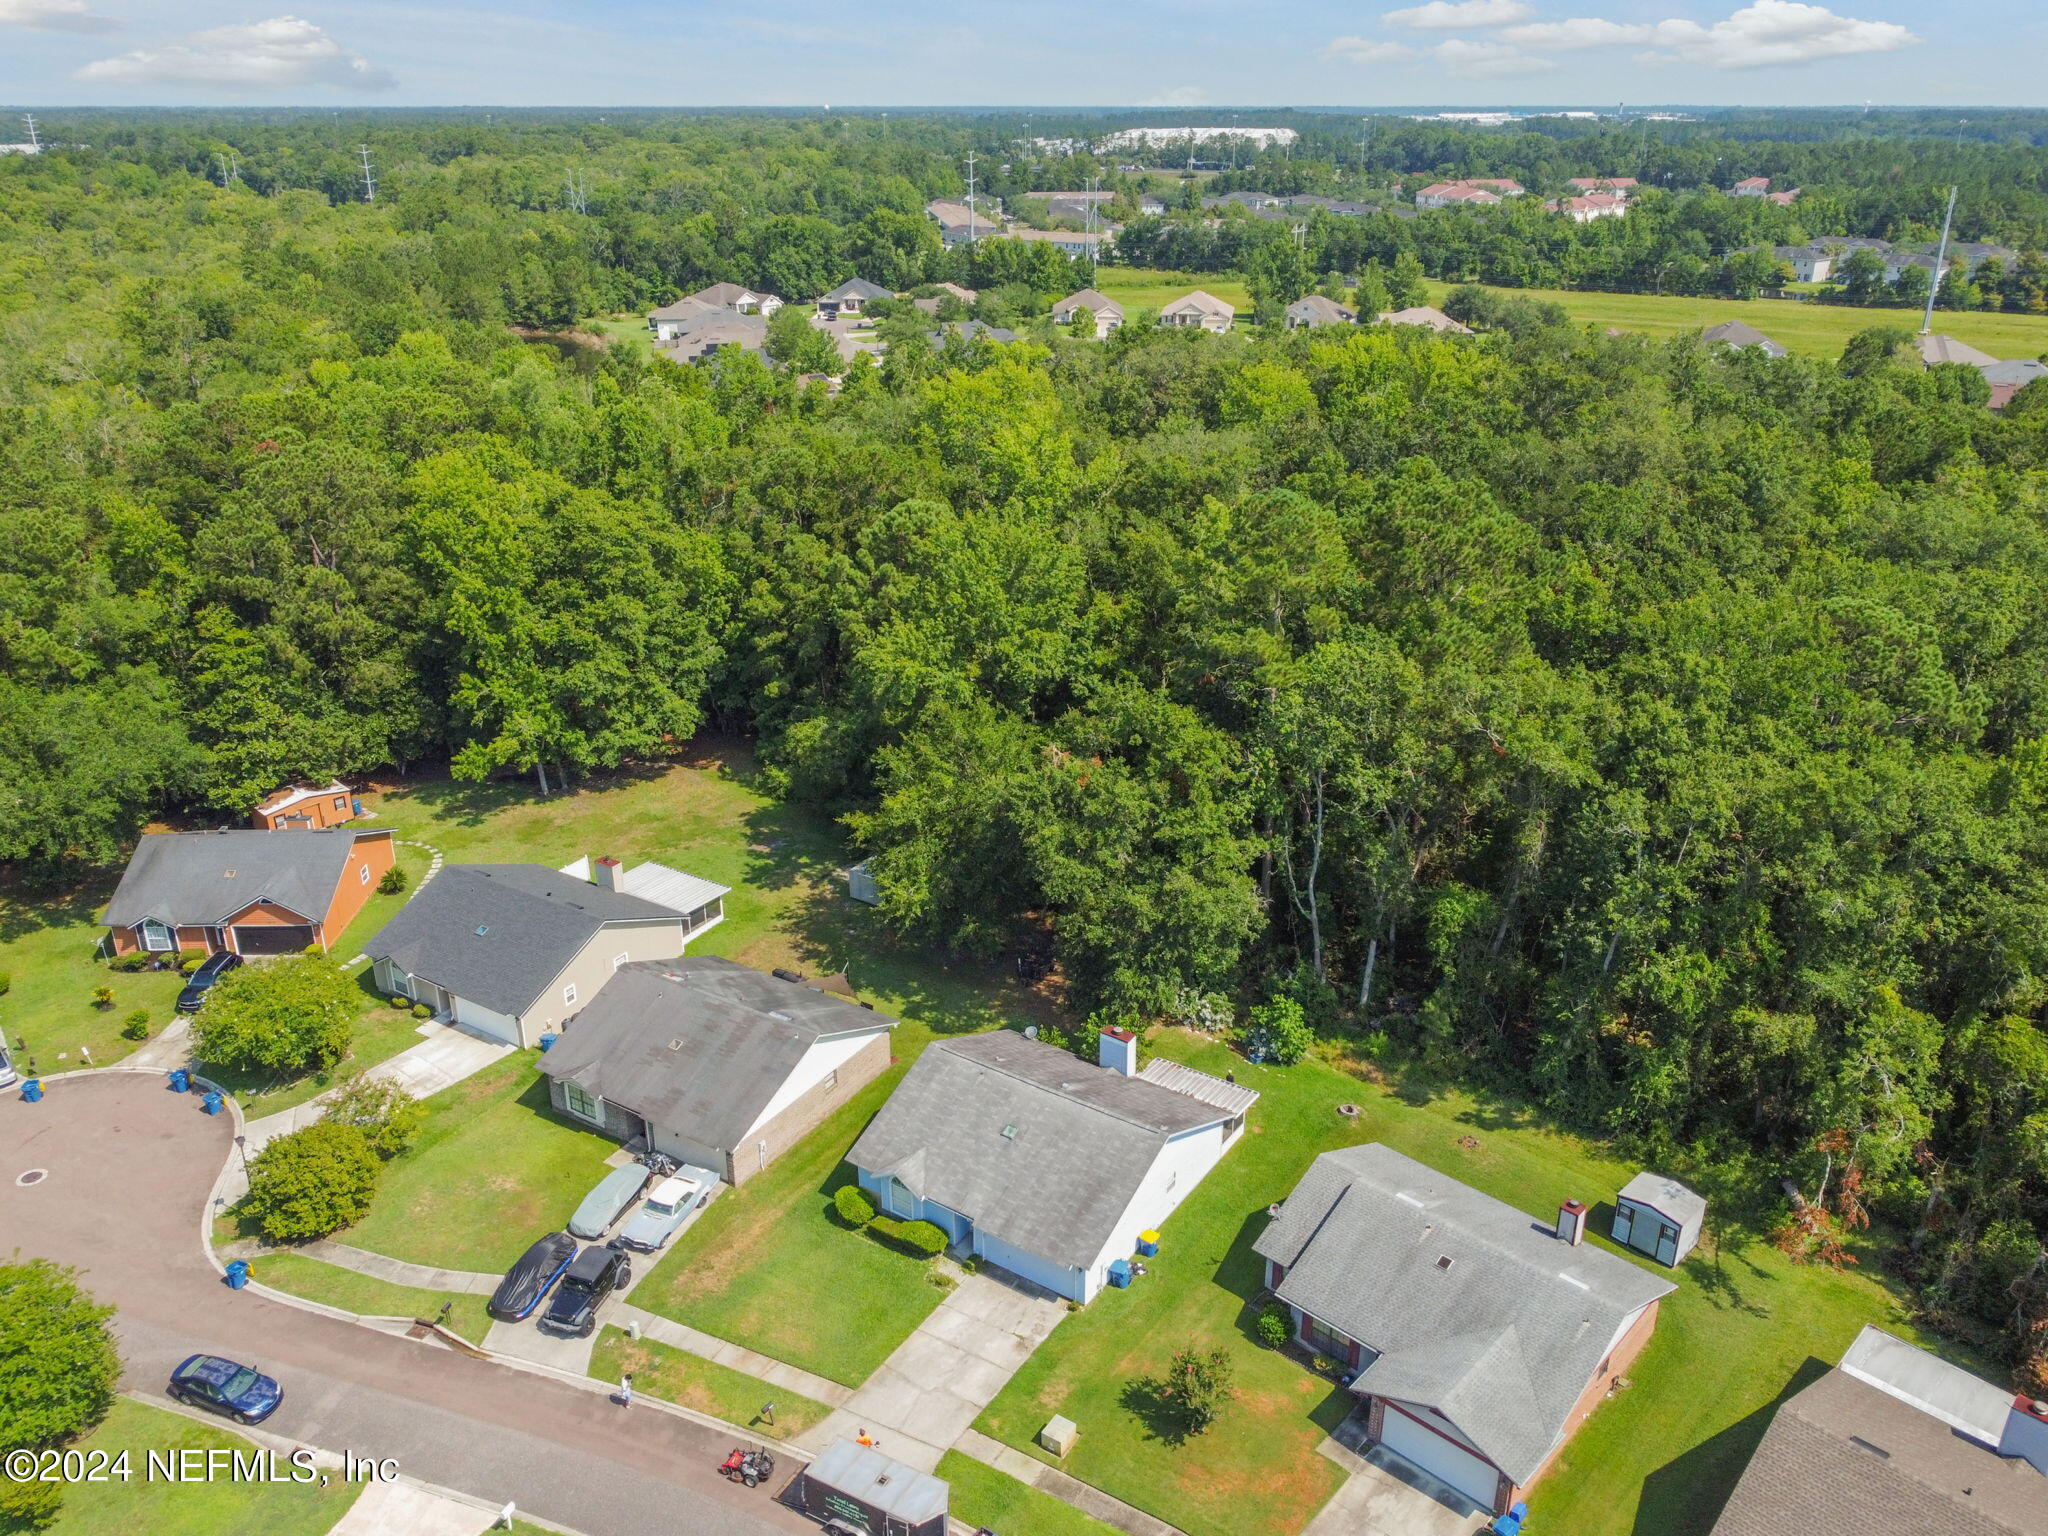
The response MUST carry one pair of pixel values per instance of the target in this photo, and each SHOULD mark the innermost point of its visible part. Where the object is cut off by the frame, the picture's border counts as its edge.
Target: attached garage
(1441, 1457)
(270, 938)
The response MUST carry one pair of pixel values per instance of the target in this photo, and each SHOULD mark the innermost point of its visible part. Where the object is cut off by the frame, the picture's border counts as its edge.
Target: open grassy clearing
(368, 1296)
(982, 1496)
(217, 1508)
(1745, 1326)
(1814, 330)
(677, 1377)
(48, 941)
(1152, 287)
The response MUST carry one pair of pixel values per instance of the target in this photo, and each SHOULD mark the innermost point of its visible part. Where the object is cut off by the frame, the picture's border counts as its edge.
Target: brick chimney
(1571, 1221)
(605, 872)
(1118, 1051)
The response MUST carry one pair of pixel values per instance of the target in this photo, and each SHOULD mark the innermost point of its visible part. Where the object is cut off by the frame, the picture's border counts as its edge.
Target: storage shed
(859, 1487)
(860, 884)
(1659, 1217)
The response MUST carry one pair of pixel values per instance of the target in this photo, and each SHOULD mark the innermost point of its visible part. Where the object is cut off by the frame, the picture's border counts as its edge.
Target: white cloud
(1578, 32)
(1778, 32)
(54, 16)
(1179, 96)
(1465, 57)
(1363, 50)
(280, 54)
(1454, 15)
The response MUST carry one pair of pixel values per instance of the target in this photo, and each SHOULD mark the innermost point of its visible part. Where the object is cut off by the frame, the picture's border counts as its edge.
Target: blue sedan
(222, 1386)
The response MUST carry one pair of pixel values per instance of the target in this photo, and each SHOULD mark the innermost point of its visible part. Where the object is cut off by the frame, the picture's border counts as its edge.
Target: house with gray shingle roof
(849, 297)
(1042, 1163)
(1199, 309)
(248, 892)
(1318, 309)
(1107, 312)
(1480, 1338)
(1739, 334)
(514, 951)
(713, 1062)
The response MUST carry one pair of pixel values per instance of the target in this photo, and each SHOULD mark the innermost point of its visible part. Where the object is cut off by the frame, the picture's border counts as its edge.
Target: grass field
(367, 1295)
(1744, 1328)
(982, 1496)
(47, 945)
(1815, 330)
(705, 1385)
(1139, 288)
(217, 1508)
(493, 1170)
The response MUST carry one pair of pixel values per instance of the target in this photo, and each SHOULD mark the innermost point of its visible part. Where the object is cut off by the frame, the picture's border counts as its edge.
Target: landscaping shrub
(285, 1017)
(312, 1182)
(393, 881)
(856, 1207)
(137, 1027)
(422, 1011)
(1277, 1031)
(1274, 1326)
(103, 998)
(138, 961)
(389, 1118)
(191, 963)
(400, 1002)
(919, 1239)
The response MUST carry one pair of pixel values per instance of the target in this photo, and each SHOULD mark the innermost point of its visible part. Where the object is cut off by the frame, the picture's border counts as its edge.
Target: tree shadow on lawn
(1685, 1496)
(28, 905)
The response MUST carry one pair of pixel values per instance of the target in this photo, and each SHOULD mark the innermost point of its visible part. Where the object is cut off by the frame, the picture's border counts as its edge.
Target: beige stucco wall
(593, 966)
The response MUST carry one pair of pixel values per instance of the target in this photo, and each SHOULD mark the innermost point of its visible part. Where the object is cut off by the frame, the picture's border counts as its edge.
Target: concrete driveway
(127, 1169)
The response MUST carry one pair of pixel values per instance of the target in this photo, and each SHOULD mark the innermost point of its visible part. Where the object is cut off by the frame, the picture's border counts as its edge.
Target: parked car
(222, 1386)
(532, 1277)
(201, 981)
(8, 1076)
(667, 1207)
(607, 1203)
(593, 1275)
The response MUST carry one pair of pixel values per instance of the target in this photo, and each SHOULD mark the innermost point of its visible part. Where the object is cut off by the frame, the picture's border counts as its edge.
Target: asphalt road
(129, 1169)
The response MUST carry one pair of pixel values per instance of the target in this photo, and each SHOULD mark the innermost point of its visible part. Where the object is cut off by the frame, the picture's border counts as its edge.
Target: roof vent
(1573, 1280)
(227, 874)
(482, 929)
(777, 1013)
(1010, 1132)
(1875, 1450)
(676, 1044)
(1407, 1199)
(1443, 1261)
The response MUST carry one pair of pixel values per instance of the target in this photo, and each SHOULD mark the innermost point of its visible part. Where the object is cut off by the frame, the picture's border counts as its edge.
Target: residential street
(129, 1165)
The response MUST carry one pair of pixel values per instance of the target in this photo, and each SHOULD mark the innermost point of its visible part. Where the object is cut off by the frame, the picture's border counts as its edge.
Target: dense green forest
(1654, 732)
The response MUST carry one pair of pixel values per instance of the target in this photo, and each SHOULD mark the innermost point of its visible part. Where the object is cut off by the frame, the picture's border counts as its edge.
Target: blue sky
(1192, 53)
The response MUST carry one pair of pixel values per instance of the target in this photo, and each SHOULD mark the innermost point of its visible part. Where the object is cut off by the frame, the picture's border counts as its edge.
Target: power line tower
(369, 176)
(1940, 264)
(34, 139)
(577, 192)
(230, 167)
(970, 196)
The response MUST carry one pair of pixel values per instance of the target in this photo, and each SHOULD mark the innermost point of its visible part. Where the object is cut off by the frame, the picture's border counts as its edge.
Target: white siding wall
(1181, 1165)
(825, 1057)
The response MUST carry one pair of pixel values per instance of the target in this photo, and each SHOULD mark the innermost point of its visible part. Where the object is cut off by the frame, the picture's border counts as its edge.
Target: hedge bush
(137, 1026)
(1274, 1326)
(856, 1207)
(312, 1182)
(920, 1239)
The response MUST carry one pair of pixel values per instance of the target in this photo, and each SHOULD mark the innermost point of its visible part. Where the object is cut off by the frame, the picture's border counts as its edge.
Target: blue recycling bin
(355, 805)
(1148, 1245)
(32, 1091)
(1511, 1523)
(1120, 1273)
(547, 1042)
(238, 1274)
(212, 1103)
(181, 1080)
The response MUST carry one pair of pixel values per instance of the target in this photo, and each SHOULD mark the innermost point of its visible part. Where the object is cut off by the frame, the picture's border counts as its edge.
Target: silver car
(667, 1207)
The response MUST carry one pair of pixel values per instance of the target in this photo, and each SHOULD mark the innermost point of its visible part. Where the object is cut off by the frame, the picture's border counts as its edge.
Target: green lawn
(983, 1496)
(367, 1295)
(1139, 288)
(494, 1169)
(1743, 1325)
(677, 1377)
(629, 331)
(770, 1266)
(218, 1508)
(47, 941)
(1816, 330)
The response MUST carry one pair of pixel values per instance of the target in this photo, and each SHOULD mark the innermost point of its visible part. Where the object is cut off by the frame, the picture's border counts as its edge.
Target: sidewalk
(739, 1358)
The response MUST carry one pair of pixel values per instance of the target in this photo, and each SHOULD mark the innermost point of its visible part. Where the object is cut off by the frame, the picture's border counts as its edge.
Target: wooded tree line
(1652, 731)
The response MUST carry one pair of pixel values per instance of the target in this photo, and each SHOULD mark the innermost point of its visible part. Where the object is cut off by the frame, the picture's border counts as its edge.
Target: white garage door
(1056, 1278)
(1471, 1475)
(484, 1022)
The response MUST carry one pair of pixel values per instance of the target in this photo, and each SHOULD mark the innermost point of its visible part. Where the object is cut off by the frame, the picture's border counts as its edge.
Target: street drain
(34, 1176)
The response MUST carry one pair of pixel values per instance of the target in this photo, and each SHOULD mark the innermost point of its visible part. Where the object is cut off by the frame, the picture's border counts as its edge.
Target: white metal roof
(1666, 1196)
(1231, 1098)
(1929, 1383)
(301, 792)
(659, 884)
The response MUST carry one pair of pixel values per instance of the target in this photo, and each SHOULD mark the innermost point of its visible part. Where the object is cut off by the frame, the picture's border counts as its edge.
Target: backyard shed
(1659, 1217)
(860, 884)
(860, 1487)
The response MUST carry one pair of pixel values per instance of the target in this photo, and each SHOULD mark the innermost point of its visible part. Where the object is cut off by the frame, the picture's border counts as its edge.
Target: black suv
(201, 981)
(593, 1275)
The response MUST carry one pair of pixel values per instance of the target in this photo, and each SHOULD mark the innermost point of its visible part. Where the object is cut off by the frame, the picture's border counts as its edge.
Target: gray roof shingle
(1502, 1339)
(857, 288)
(497, 934)
(1740, 333)
(198, 878)
(1032, 1144)
(699, 1045)
(1843, 1458)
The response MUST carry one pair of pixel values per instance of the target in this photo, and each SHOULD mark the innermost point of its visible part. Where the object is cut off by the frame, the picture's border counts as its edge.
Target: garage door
(272, 939)
(483, 1021)
(1409, 1438)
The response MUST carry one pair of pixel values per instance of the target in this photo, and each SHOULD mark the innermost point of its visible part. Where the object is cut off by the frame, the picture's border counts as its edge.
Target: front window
(363, 875)
(1325, 1340)
(158, 936)
(569, 995)
(583, 1102)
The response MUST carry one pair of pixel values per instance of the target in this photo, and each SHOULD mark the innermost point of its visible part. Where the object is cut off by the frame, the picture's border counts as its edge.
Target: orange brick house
(1479, 1339)
(255, 893)
(299, 806)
